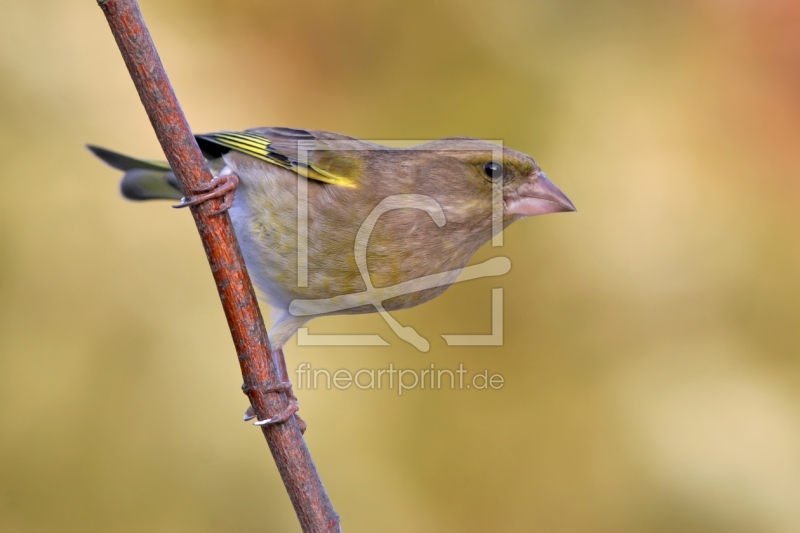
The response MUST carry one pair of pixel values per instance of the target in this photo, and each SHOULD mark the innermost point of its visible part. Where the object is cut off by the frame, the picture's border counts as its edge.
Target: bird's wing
(310, 154)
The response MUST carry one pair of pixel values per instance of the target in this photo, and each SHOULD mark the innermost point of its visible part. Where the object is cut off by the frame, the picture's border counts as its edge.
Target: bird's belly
(265, 222)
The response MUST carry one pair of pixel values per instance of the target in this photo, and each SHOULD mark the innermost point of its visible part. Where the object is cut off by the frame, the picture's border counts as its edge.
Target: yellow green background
(652, 353)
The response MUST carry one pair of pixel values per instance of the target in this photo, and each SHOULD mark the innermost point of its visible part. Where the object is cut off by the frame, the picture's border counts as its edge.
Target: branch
(313, 507)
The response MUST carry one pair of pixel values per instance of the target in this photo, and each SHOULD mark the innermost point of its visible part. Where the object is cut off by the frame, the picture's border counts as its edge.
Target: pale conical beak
(538, 197)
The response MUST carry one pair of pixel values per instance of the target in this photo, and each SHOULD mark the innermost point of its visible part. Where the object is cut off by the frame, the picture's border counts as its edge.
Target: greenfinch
(299, 201)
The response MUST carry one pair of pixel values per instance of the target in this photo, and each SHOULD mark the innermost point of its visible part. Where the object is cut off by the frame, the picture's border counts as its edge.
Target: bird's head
(477, 174)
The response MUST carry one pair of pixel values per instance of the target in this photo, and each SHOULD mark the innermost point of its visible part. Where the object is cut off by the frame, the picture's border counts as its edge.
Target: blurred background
(651, 356)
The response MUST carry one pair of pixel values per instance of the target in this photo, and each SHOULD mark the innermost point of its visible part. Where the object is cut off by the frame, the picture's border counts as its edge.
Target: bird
(449, 197)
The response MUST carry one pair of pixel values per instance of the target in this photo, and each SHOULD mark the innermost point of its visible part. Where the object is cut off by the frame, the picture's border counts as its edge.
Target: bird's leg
(284, 385)
(280, 366)
(223, 186)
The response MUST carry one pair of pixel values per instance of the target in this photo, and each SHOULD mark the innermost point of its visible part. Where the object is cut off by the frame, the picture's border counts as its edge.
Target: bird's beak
(537, 197)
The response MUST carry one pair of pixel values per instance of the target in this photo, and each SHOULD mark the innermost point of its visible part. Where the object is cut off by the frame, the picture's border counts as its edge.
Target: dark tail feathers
(143, 180)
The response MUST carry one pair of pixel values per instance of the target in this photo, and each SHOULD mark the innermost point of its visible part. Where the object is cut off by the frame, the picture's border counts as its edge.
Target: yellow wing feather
(258, 146)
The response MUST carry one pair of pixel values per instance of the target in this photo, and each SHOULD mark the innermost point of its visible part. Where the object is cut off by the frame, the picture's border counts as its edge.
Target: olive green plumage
(345, 179)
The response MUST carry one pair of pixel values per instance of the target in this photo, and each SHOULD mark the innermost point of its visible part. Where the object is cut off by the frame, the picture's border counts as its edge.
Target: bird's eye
(493, 170)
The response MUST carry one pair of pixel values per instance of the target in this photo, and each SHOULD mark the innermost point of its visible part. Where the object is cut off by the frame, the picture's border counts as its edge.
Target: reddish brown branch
(313, 507)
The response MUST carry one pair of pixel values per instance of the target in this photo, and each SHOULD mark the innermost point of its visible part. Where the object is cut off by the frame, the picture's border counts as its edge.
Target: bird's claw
(222, 186)
(283, 416)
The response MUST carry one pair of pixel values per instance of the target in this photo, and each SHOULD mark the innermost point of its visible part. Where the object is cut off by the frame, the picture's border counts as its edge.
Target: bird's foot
(223, 186)
(284, 415)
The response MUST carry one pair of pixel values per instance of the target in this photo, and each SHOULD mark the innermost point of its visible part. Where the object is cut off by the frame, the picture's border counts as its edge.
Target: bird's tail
(143, 179)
